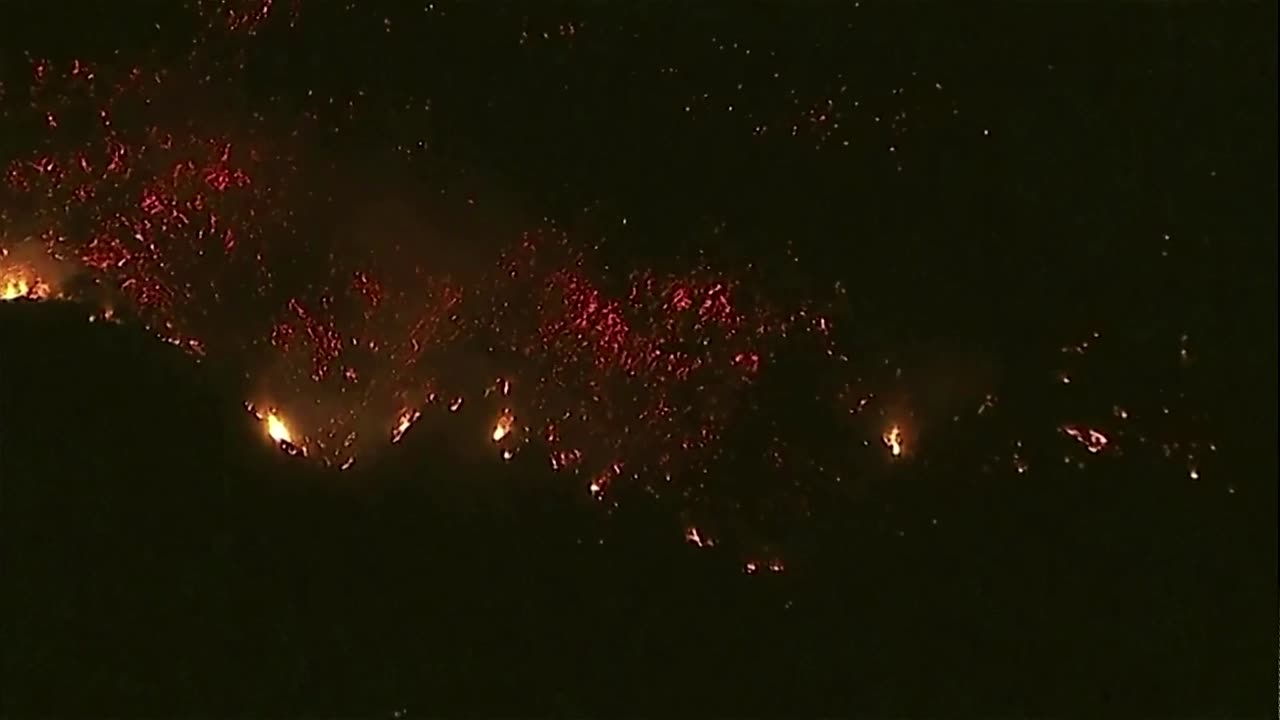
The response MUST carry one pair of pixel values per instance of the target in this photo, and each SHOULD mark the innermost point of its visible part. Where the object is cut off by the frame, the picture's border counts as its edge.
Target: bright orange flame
(277, 429)
(13, 288)
(18, 283)
(503, 426)
(893, 441)
(407, 418)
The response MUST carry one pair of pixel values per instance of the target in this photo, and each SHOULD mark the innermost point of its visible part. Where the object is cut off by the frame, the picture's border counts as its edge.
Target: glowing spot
(694, 537)
(893, 441)
(277, 428)
(503, 427)
(1094, 441)
(407, 418)
(17, 282)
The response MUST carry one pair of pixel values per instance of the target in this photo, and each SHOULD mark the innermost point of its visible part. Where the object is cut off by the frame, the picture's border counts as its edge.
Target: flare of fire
(893, 441)
(407, 419)
(503, 426)
(277, 428)
(15, 283)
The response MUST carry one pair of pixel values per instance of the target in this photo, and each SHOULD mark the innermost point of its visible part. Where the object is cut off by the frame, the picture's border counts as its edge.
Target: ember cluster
(691, 381)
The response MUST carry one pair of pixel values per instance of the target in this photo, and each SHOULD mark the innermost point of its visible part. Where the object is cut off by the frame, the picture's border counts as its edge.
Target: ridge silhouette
(162, 558)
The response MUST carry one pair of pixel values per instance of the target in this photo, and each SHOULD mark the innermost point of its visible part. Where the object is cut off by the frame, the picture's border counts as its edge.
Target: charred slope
(161, 558)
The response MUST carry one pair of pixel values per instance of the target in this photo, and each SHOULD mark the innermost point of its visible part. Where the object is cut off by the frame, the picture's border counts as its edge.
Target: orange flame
(277, 429)
(893, 441)
(503, 426)
(17, 283)
(407, 418)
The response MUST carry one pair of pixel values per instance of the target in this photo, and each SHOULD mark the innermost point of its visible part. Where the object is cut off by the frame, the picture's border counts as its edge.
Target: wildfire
(503, 426)
(14, 288)
(893, 441)
(16, 283)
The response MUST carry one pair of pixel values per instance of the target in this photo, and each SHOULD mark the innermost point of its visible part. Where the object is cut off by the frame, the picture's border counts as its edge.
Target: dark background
(1082, 168)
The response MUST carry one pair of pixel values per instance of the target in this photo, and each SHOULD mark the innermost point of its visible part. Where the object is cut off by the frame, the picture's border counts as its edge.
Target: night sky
(607, 358)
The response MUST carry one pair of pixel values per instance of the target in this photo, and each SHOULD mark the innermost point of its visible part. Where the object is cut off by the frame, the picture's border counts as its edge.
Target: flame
(19, 283)
(893, 441)
(503, 426)
(14, 288)
(277, 428)
(1094, 441)
(407, 418)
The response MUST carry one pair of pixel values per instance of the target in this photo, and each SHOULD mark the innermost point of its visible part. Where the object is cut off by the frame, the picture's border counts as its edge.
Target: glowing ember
(893, 441)
(1093, 440)
(407, 419)
(695, 538)
(503, 426)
